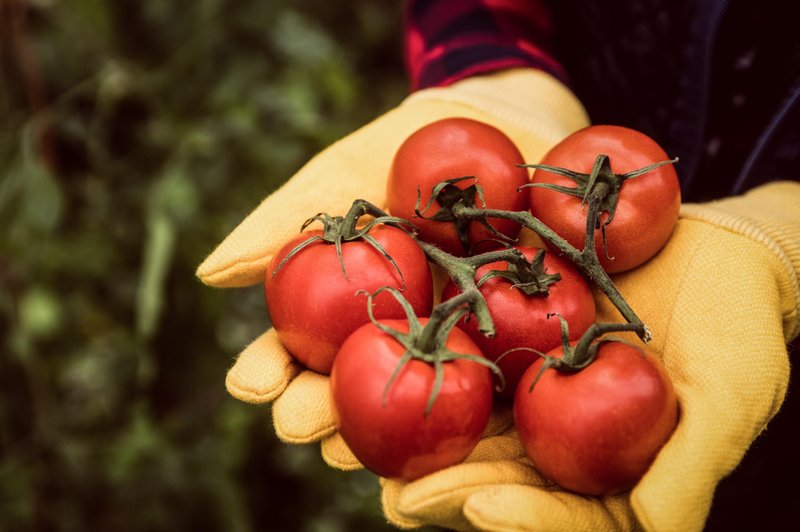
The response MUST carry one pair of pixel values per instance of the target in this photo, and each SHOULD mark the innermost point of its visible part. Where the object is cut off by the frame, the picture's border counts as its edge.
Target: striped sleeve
(447, 40)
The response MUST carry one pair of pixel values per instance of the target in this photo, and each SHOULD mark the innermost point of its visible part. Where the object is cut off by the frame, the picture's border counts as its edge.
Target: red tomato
(598, 430)
(396, 439)
(314, 308)
(453, 148)
(521, 320)
(648, 204)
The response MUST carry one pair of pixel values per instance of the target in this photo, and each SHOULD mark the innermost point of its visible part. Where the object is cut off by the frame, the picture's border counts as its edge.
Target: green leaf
(158, 251)
(29, 192)
(39, 313)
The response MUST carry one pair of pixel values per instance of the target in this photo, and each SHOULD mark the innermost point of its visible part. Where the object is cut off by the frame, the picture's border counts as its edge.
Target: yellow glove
(531, 107)
(722, 301)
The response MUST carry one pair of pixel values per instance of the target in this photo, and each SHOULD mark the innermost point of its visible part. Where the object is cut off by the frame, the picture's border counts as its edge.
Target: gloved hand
(722, 300)
(531, 107)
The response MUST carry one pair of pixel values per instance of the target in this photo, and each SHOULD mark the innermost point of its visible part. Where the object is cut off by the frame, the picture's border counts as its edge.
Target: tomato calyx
(427, 343)
(339, 229)
(528, 277)
(576, 357)
(602, 182)
(448, 196)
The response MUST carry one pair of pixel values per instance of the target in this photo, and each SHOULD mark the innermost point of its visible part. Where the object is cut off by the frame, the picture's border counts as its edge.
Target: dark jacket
(716, 82)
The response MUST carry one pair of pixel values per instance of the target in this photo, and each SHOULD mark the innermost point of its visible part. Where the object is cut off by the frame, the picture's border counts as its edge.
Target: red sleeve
(447, 40)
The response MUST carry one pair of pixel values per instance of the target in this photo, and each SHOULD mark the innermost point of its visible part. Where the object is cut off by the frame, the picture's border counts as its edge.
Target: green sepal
(337, 230)
(437, 355)
(528, 277)
(585, 184)
(449, 196)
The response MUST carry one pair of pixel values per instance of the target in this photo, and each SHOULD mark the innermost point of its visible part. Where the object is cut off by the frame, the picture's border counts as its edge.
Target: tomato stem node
(528, 277)
(585, 260)
(448, 196)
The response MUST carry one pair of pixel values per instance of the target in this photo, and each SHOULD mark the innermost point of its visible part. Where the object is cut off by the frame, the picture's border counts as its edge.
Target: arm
(449, 40)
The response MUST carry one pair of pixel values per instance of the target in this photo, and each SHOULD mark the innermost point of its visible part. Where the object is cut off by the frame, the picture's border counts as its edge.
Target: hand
(722, 300)
(535, 110)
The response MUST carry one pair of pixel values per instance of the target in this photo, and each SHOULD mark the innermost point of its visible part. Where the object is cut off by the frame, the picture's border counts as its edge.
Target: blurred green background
(134, 135)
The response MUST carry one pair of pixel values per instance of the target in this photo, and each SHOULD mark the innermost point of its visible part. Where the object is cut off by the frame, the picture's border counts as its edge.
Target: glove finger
(725, 404)
(262, 371)
(708, 443)
(327, 183)
(303, 413)
(515, 507)
(338, 455)
(390, 493)
(438, 498)
(729, 370)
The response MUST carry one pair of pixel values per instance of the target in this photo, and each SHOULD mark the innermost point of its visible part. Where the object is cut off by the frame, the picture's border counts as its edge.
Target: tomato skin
(452, 148)
(314, 308)
(648, 204)
(521, 320)
(397, 440)
(597, 431)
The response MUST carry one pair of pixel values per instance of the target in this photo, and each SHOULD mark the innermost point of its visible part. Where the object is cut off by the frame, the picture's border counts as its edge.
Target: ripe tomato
(521, 320)
(396, 439)
(314, 307)
(598, 430)
(648, 204)
(453, 148)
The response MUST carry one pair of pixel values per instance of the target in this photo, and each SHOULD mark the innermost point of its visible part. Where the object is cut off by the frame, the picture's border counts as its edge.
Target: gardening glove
(721, 300)
(531, 107)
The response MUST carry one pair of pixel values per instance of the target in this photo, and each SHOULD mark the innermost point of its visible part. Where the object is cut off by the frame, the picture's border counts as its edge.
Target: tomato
(597, 431)
(314, 307)
(396, 439)
(521, 320)
(648, 204)
(453, 148)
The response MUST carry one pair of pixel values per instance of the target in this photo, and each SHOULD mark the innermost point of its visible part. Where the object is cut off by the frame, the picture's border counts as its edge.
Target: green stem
(426, 342)
(348, 225)
(462, 271)
(586, 260)
(582, 354)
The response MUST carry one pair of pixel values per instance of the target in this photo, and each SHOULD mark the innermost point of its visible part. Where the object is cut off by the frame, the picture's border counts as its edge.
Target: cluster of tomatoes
(412, 382)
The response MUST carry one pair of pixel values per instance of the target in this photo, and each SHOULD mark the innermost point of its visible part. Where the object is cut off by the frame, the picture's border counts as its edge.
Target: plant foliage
(135, 134)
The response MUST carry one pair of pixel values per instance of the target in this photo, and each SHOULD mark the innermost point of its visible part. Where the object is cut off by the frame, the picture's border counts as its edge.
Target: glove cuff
(770, 215)
(527, 99)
